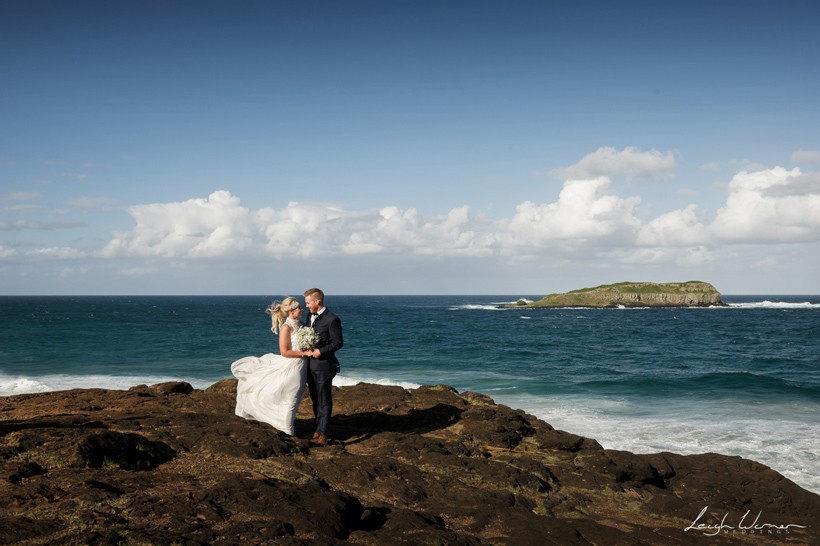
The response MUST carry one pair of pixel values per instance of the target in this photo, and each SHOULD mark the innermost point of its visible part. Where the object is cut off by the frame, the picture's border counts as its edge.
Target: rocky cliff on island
(634, 294)
(169, 464)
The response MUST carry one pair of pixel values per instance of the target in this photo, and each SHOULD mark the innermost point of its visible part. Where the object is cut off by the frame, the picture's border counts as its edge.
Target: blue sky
(407, 147)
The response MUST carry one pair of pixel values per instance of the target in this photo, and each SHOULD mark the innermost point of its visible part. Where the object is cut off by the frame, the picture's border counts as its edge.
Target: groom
(323, 365)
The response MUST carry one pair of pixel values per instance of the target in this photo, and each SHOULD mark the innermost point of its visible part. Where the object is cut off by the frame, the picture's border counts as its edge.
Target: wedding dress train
(270, 387)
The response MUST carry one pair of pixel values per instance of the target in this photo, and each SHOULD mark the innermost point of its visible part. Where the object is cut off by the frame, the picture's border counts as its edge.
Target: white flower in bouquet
(306, 338)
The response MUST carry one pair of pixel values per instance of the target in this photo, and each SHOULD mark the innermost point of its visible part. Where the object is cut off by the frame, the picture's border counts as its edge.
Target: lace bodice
(294, 327)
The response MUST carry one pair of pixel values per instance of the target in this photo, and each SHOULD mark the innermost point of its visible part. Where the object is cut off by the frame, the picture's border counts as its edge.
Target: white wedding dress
(271, 386)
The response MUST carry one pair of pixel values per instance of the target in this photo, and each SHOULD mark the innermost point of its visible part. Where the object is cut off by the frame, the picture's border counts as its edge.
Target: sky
(408, 147)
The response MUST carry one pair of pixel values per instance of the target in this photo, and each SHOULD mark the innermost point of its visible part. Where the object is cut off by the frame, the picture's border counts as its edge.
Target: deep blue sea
(739, 380)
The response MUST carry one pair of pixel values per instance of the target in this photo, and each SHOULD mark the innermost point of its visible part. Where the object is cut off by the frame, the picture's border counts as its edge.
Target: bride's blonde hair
(279, 310)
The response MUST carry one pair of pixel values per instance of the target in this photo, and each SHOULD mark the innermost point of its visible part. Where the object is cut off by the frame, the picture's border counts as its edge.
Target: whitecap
(342, 380)
(766, 304)
(9, 386)
(473, 307)
(60, 382)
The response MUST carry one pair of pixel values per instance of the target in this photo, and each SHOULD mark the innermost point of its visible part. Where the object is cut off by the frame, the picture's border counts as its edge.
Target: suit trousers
(320, 383)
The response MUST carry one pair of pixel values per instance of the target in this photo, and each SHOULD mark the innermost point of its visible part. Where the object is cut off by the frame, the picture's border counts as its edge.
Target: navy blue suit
(322, 370)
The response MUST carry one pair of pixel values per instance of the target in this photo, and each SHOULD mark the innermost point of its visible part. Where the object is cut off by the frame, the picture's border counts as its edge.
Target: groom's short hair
(315, 293)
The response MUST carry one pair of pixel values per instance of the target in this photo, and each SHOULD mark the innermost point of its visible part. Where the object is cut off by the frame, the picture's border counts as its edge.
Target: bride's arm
(284, 344)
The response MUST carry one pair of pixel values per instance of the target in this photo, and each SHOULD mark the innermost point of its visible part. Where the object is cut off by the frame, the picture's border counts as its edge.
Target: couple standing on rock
(270, 387)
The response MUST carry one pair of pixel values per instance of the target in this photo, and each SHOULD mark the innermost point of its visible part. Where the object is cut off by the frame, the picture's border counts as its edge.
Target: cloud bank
(589, 223)
(769, 206)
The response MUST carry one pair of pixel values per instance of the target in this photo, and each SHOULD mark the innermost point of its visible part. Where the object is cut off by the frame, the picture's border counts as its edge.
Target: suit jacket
(329, 328)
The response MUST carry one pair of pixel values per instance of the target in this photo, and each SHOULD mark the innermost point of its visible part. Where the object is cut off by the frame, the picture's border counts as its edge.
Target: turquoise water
(741, 380)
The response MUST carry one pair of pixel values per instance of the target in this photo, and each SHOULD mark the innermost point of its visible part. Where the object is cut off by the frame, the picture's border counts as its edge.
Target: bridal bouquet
(306, 338)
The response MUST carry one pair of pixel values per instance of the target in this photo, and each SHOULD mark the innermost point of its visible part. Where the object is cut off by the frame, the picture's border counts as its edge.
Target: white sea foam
(492, 306)
(511, 388)
(20, 385)
(515, 301)
(10, 385)
(471, 307)
(789, 447)
(766, 304)
(343, 380)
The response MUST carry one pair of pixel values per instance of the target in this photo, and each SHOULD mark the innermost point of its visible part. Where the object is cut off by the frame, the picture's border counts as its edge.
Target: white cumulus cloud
(630, 161)
(215, 226)
(769, 205)
(219, 226)
(394, 230)
(585, 210)
(676, 228)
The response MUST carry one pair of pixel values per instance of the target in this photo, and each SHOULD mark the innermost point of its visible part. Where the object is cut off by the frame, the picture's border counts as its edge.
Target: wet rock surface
(168, 464)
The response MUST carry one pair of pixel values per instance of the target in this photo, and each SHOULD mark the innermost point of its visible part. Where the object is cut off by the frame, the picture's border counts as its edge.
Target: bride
(270, 387)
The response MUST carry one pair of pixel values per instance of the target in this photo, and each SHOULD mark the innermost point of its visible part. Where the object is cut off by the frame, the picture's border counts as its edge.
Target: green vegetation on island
(634, 294)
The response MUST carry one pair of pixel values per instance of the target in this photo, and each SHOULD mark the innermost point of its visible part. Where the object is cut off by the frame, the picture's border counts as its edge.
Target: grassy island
(634, 294)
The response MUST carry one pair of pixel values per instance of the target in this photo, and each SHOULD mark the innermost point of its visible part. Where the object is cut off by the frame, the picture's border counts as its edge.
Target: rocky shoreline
(169, 464)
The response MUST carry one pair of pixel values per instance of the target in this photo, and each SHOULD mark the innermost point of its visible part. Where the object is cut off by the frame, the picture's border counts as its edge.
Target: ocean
(738, 380)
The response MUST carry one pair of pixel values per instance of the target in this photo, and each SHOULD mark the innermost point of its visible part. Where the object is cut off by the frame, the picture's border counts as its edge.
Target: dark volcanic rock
(125, 450)
(169, 464)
